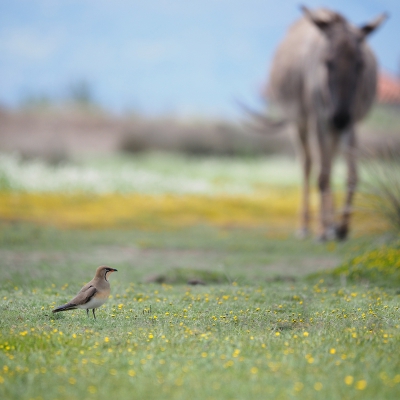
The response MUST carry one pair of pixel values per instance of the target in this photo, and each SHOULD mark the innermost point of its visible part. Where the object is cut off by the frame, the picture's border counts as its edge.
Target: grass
(380, 266)
(32, 254)
(261, 331)
(276, 318)
(209, 342)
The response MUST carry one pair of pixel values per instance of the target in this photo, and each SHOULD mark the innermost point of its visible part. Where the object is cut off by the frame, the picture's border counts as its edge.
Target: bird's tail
(65, 307)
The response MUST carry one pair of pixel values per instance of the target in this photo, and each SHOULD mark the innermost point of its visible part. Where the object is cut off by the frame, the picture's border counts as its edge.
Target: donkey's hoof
(327, 235)
(341, 232)
(321, 238)
(303, 234)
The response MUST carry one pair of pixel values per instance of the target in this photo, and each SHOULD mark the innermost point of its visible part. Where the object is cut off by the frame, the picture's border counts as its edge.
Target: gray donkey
(323, 79)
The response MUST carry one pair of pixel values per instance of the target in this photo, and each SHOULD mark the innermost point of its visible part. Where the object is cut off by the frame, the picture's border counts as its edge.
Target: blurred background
(123, 141)
(100, 77)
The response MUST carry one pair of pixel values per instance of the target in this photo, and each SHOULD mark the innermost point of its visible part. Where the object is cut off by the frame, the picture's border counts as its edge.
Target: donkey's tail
(261, 122)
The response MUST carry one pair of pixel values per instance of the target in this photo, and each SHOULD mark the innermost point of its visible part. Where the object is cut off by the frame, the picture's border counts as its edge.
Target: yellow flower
(254, 370)
(92, 389)
(361, 385)
(236, 353)
(106, 339)
(305, 334)
(179, 382)
(332, 351)
(131, 372)
(72, 381)
(318, 386)
(298, 386)
(348, 380)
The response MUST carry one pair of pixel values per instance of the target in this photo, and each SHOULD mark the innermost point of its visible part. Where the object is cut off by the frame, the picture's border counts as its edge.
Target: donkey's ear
(371, 26)
(321, 20)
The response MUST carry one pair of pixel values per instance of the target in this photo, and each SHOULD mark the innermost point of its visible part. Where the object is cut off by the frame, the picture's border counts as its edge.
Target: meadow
(272, 316)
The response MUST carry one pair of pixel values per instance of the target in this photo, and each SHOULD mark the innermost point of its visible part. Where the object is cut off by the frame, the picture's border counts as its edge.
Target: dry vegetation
(56, 134)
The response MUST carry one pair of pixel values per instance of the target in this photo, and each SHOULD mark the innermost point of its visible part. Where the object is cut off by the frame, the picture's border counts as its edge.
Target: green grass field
(277, 318)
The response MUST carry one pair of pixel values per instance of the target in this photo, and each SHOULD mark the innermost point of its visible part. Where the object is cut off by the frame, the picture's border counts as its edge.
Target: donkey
(323, 79)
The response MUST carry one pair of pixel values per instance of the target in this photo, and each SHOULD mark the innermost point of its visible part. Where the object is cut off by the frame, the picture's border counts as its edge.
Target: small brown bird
(93, 295)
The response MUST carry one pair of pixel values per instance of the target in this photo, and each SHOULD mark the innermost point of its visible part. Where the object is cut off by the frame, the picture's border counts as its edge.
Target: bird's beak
(114, 270)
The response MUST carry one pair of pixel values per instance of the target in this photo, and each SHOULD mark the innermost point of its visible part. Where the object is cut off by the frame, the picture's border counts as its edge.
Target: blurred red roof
(388, 88)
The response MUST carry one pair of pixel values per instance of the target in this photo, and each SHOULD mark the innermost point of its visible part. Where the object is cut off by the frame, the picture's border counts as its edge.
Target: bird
(93, 295)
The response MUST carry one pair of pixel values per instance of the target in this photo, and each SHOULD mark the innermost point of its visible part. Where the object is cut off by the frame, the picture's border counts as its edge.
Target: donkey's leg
(306, 169)
(328, 143)
(352, 179)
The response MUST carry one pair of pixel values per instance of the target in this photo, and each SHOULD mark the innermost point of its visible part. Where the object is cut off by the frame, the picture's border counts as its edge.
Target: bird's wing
(83, 296)
(86, 287)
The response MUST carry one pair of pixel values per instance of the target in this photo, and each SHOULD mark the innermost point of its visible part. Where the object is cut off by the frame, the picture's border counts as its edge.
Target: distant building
(388, 89)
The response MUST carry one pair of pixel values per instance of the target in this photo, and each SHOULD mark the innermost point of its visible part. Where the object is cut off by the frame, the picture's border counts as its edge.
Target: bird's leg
(94, 315)
(87, 312)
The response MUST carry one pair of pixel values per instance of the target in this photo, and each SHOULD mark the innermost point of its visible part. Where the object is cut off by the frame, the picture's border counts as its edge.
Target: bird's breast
(97, 300)
(104, 294)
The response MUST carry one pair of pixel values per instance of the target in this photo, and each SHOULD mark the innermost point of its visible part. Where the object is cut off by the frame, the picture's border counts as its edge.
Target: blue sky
(180, 57)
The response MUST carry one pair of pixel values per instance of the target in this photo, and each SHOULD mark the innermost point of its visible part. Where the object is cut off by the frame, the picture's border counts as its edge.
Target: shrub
(383, 186)
(380, 267)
